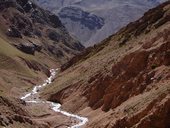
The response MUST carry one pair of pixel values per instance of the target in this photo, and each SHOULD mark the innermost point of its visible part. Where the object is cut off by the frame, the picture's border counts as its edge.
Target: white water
(32, 97)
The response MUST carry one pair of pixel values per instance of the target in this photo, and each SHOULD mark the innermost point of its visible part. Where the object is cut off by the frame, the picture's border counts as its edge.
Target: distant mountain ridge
(114, 14)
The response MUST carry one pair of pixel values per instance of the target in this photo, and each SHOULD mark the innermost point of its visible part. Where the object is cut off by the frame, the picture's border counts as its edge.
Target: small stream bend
(32, 97)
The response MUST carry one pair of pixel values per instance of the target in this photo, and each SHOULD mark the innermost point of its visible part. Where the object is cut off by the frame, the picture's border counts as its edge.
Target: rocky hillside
(32, 41)
(13, 114)
(106, 16)
(33, 29)
(125, 80)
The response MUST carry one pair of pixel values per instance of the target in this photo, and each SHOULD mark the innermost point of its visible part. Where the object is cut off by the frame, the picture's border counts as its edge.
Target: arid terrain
(125, 80)
(122, 82)
(32, 41)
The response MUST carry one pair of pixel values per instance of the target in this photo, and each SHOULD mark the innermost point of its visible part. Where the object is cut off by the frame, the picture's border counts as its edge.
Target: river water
(33, 97)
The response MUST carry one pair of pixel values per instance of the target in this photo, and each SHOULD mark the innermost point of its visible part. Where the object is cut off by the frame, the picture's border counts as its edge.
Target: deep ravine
(33, 97)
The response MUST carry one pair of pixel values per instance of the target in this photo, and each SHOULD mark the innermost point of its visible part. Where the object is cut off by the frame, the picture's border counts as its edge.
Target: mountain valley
(106, 16)
(32, 41)
(48, 79)
(123, 81)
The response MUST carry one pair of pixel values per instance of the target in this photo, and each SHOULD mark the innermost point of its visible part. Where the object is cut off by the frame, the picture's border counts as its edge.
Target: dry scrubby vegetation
(124, 80)
(151, 20)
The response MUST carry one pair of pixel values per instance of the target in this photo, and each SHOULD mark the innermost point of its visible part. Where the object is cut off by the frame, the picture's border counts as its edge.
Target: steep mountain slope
(125, 80)
(106, 16)
(32, 41)
(36, 30)
(18, 72)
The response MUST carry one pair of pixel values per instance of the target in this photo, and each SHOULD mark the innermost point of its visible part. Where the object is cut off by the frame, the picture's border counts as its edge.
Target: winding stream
(32, 97)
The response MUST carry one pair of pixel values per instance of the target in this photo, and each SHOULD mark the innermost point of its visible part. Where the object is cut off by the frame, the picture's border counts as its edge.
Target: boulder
(28, 48)
(37, 44)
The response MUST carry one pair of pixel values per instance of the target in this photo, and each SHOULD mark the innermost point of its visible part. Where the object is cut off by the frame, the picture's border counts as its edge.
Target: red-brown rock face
(126, 83)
